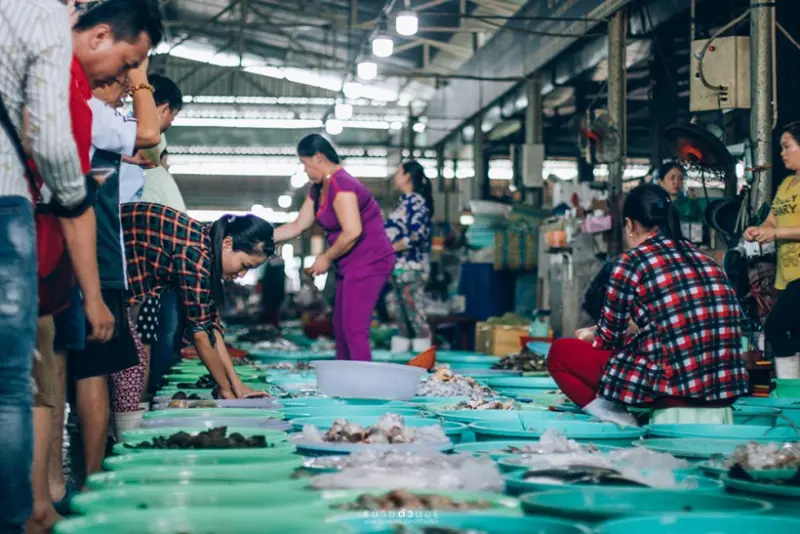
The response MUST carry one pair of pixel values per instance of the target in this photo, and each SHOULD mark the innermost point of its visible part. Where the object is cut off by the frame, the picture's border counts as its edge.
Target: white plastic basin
(367, 380)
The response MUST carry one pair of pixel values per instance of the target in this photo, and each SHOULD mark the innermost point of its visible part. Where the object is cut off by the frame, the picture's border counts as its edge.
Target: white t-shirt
(160, 187)
(131, 182)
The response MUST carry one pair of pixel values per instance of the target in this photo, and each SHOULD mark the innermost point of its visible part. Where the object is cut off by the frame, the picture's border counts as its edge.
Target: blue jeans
(18, 316)
(162, 355)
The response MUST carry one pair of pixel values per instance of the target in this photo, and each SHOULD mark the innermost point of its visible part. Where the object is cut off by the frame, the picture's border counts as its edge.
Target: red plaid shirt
(163, 248)
(690, 327)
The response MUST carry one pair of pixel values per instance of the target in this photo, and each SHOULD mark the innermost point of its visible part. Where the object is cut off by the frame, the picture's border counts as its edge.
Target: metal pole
(479, 163)
(762, 18)
(534, 115)
(617, 33)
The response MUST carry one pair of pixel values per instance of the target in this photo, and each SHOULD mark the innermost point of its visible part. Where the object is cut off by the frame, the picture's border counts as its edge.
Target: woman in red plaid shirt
(669, 334)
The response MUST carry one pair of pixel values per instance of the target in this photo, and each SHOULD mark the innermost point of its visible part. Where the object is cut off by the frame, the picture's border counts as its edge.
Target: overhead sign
(526, 45)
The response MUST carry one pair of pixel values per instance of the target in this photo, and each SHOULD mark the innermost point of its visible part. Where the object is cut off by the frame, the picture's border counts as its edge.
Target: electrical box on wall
(726, 64)
(533, 165)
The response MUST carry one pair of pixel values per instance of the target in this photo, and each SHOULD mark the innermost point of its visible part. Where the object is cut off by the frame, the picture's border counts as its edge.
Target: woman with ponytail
(409, 228)
(357, 243)
(685, 348)
(165, 248)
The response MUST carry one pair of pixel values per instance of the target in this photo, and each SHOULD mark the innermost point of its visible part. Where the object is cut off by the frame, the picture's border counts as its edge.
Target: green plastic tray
(602, 433)
(264, 472)
(691, 448)
(476, 416)
(754, 415)
(499, 503)
(202, 521)
(606, 503)
(351, 411)
(702, 524)
(233, 457)
(333, 401)
(762, 489)
(523, 382)
(212, 413)
(515, 485)
(199, 495)
(284, 446)
(492, 524)
(494, 449)
(454, 431)
(733, 432)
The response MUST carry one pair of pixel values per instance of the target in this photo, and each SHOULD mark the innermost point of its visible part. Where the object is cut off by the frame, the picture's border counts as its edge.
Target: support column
(479, 162)
(762, 18)
(585, 168)
(534, 128)
(617, 91)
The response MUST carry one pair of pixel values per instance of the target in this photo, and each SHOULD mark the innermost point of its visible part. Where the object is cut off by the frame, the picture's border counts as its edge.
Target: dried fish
(406, 500)
(525, 361)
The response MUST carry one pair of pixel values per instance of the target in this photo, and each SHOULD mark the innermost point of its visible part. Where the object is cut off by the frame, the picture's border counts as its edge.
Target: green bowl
(752, 415)
(233, 457)
(769, 402)
(581, 431)
(494, 449)
(351, 411)
(335, 401)
(201, 521)
(500, 504)
(211, 413)
(724, 523)
(733, 432)
(528, 416)
(181, 474)
(691, 448)
(519, 383)
(787, 388)
(454, 431)
(489, 523)
(458, 360)
(279, 447)
(146, 434)
(595, 504)
(196, 495)
(515, 485)
(272, 356)
(506, 464)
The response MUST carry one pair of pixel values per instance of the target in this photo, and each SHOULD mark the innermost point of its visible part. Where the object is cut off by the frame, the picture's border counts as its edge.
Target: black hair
(421, 183)
(310, 146)
(249, 233)
(664, 169)
(127, 19)
(165, 91)
(650, 206)
(793, 129)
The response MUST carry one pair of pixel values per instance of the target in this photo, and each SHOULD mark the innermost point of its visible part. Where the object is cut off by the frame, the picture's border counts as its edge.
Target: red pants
(577, 367)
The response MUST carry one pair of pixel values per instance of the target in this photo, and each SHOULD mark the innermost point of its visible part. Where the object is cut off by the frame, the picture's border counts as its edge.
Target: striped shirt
(36, 45)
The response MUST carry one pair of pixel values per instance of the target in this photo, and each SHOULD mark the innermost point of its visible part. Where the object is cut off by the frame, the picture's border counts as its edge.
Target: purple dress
(362, 272)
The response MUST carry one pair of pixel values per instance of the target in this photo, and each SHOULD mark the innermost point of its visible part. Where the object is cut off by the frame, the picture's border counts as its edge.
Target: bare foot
(42, 519)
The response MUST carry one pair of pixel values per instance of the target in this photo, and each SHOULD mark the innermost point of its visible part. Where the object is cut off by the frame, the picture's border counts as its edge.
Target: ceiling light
(201, 122)
(353, 90)
(299, 179)
(419, 127)
(396, 126)
(367, 70)
(466, 220)
(284, 201)
(382, 46)
(343, 111)
(334, 127)
(407, 23)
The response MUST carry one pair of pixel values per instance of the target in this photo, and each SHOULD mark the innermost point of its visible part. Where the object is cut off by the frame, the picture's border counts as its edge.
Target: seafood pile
(479, 403)
(179, 396)
(525, 361)
(390, 429)
(759, 457)
(446, 383)
(553, 441)
(216, 438)
(204, 382)
(278, 345)
(291, 367)
(425, 469)
(256, 334)
(406, 500)
(192, 403)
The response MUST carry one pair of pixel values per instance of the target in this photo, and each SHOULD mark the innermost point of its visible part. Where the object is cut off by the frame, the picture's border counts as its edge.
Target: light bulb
(353, 90)
(334, 127)
(407, 23)
(343, 111)
(382, 46)
(284, 201)
(397, 125)
(419, 127)
(299, 179)
(367, 70)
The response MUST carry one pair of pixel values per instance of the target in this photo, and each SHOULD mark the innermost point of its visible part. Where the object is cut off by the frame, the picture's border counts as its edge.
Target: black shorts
(102, 359)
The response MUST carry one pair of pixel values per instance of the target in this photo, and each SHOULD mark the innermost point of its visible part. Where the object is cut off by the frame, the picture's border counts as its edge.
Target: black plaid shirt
(690, 327)
(165, 247)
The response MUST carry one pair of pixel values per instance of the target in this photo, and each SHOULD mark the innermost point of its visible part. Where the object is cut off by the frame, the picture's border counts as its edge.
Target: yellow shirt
(785, 208)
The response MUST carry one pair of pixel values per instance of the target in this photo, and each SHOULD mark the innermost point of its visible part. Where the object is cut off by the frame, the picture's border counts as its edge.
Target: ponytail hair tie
(231, 218)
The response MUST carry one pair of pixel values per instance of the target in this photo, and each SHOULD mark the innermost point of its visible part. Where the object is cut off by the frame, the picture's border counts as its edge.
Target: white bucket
(367, 380)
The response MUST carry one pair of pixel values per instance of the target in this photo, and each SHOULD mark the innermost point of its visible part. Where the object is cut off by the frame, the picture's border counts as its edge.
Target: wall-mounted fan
(597, 137)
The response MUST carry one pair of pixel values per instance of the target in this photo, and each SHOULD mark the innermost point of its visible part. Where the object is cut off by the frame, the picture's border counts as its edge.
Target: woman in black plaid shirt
(669, 334)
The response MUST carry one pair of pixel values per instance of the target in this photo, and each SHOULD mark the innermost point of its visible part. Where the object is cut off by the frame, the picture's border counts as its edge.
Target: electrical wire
(787, 35)
(735, 22)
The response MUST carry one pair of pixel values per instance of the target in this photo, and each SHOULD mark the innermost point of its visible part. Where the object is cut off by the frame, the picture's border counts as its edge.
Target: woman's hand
(227, 394)
(321, 266)
(242, 391)
(586, 334)
(761, 234)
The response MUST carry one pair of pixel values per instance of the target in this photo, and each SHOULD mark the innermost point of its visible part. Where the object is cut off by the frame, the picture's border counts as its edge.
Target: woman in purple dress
(357, 243)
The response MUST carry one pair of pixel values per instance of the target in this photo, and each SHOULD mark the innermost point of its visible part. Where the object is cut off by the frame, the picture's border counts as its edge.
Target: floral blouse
(411, 223)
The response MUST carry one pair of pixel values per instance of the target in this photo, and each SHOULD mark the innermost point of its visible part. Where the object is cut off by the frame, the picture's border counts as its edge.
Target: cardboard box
(498, 340)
